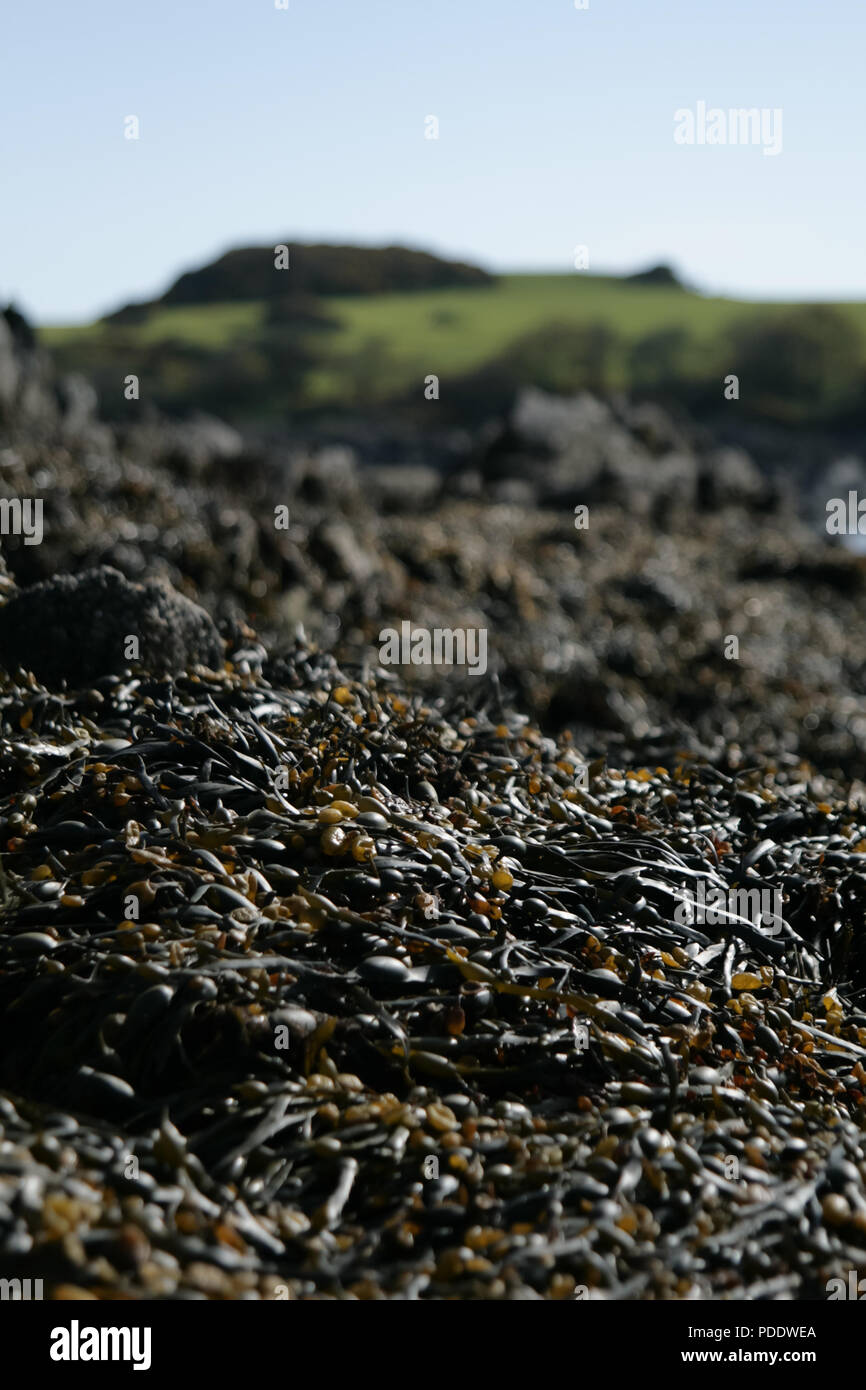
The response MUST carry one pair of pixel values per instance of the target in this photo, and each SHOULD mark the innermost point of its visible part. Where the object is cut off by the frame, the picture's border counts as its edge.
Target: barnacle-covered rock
(78, 627)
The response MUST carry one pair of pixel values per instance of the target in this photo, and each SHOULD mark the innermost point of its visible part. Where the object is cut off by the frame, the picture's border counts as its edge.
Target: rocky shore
(323, 978)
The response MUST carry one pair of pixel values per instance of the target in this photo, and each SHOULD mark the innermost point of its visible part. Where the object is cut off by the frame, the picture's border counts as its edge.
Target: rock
(26, 375)
(22, 333)
(514, 492)
(549, 424)
(654, 428)
(403, 487)
(335, 546)
(75, 628)
(577, 449)
(841, 570)
(78, 402)
(325, 476)
(466, 483)
(673, 478)
(844, 473)
(730, 478)
(188, 448)
(659, 592)
(199, 443)
(585, 697)
(9, 371)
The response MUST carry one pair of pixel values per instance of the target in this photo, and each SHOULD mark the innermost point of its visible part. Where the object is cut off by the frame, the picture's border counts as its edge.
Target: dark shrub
(564, 357)
(656, 275)
(805, 361)
(659, 362)
(249, 273)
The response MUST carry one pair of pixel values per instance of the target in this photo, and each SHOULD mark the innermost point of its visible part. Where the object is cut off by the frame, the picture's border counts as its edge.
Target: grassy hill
(372, 348)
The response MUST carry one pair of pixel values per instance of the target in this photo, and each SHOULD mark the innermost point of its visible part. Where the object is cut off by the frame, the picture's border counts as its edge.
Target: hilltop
(257, 273)
(353, 330)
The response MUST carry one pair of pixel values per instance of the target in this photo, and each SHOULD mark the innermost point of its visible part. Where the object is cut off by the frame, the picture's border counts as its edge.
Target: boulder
(548, 424)
(76, 628)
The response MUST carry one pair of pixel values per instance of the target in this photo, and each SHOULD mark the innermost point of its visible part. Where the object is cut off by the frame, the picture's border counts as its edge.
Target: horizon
(721, 142)
(601, 273)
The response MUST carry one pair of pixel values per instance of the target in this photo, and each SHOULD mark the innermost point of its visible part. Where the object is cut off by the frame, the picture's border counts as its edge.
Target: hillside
(268, 273)
(336, 339)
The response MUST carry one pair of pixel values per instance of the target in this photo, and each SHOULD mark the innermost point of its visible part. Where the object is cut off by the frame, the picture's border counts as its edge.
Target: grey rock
(729, 478)
(659, 592)
(553, 423)
(198, 444)
(654, 428)
(9, 369)
(674, 477)
(74, 628)
(514, 492)
(334, 544)
(322, 476)
(402, 488)
(78, 402)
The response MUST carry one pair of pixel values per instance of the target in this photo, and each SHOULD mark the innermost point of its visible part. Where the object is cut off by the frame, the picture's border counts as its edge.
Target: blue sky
(260, 125)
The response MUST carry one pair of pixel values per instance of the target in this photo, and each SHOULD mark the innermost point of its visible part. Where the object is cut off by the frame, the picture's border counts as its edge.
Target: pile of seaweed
(309, 988)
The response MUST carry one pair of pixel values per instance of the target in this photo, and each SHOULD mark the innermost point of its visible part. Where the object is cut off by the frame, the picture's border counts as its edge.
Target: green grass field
(399, 338)
(206, 325)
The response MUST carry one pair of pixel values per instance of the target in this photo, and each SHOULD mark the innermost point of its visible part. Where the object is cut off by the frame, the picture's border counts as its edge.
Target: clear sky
(556, 128)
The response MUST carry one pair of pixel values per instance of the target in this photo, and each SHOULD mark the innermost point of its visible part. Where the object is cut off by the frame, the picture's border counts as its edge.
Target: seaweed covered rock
(80, 627)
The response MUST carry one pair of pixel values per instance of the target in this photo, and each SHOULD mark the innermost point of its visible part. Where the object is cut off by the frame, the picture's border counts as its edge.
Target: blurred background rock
(617, 630)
